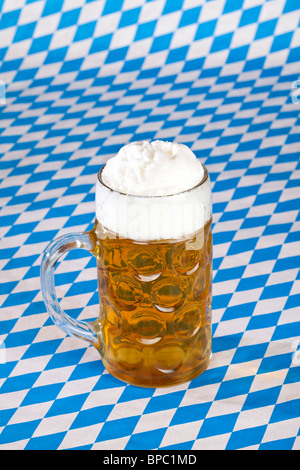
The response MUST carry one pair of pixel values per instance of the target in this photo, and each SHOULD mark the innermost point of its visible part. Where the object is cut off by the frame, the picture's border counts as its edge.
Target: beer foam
(153, 169)
(153, 191)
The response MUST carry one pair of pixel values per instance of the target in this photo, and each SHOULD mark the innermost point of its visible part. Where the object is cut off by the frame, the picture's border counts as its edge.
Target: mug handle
(59, 247)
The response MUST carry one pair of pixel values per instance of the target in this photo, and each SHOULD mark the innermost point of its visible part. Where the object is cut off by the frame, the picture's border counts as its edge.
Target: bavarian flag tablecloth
(80, 79)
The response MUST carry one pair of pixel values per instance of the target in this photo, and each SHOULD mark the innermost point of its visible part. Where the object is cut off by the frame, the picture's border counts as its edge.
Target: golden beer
(154, 325)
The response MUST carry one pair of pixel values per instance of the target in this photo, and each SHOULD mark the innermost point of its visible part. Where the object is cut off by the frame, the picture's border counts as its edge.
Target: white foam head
(153, 191)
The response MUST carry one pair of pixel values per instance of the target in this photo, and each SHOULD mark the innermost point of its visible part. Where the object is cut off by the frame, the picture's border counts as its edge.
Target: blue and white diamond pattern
(82, 78)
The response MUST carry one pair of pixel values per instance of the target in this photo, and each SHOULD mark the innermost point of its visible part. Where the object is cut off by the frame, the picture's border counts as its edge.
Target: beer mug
(154, 266)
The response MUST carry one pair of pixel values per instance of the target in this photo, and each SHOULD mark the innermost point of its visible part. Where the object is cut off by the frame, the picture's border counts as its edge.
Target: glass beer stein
(154, 265)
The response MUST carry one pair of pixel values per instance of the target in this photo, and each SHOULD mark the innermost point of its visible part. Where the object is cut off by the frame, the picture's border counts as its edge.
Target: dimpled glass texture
(154, 324)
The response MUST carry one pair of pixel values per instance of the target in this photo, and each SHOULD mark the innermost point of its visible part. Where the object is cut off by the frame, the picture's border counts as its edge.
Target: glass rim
(147, 196)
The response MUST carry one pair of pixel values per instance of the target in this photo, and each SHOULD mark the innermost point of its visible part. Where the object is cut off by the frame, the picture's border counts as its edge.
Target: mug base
(163, 381)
